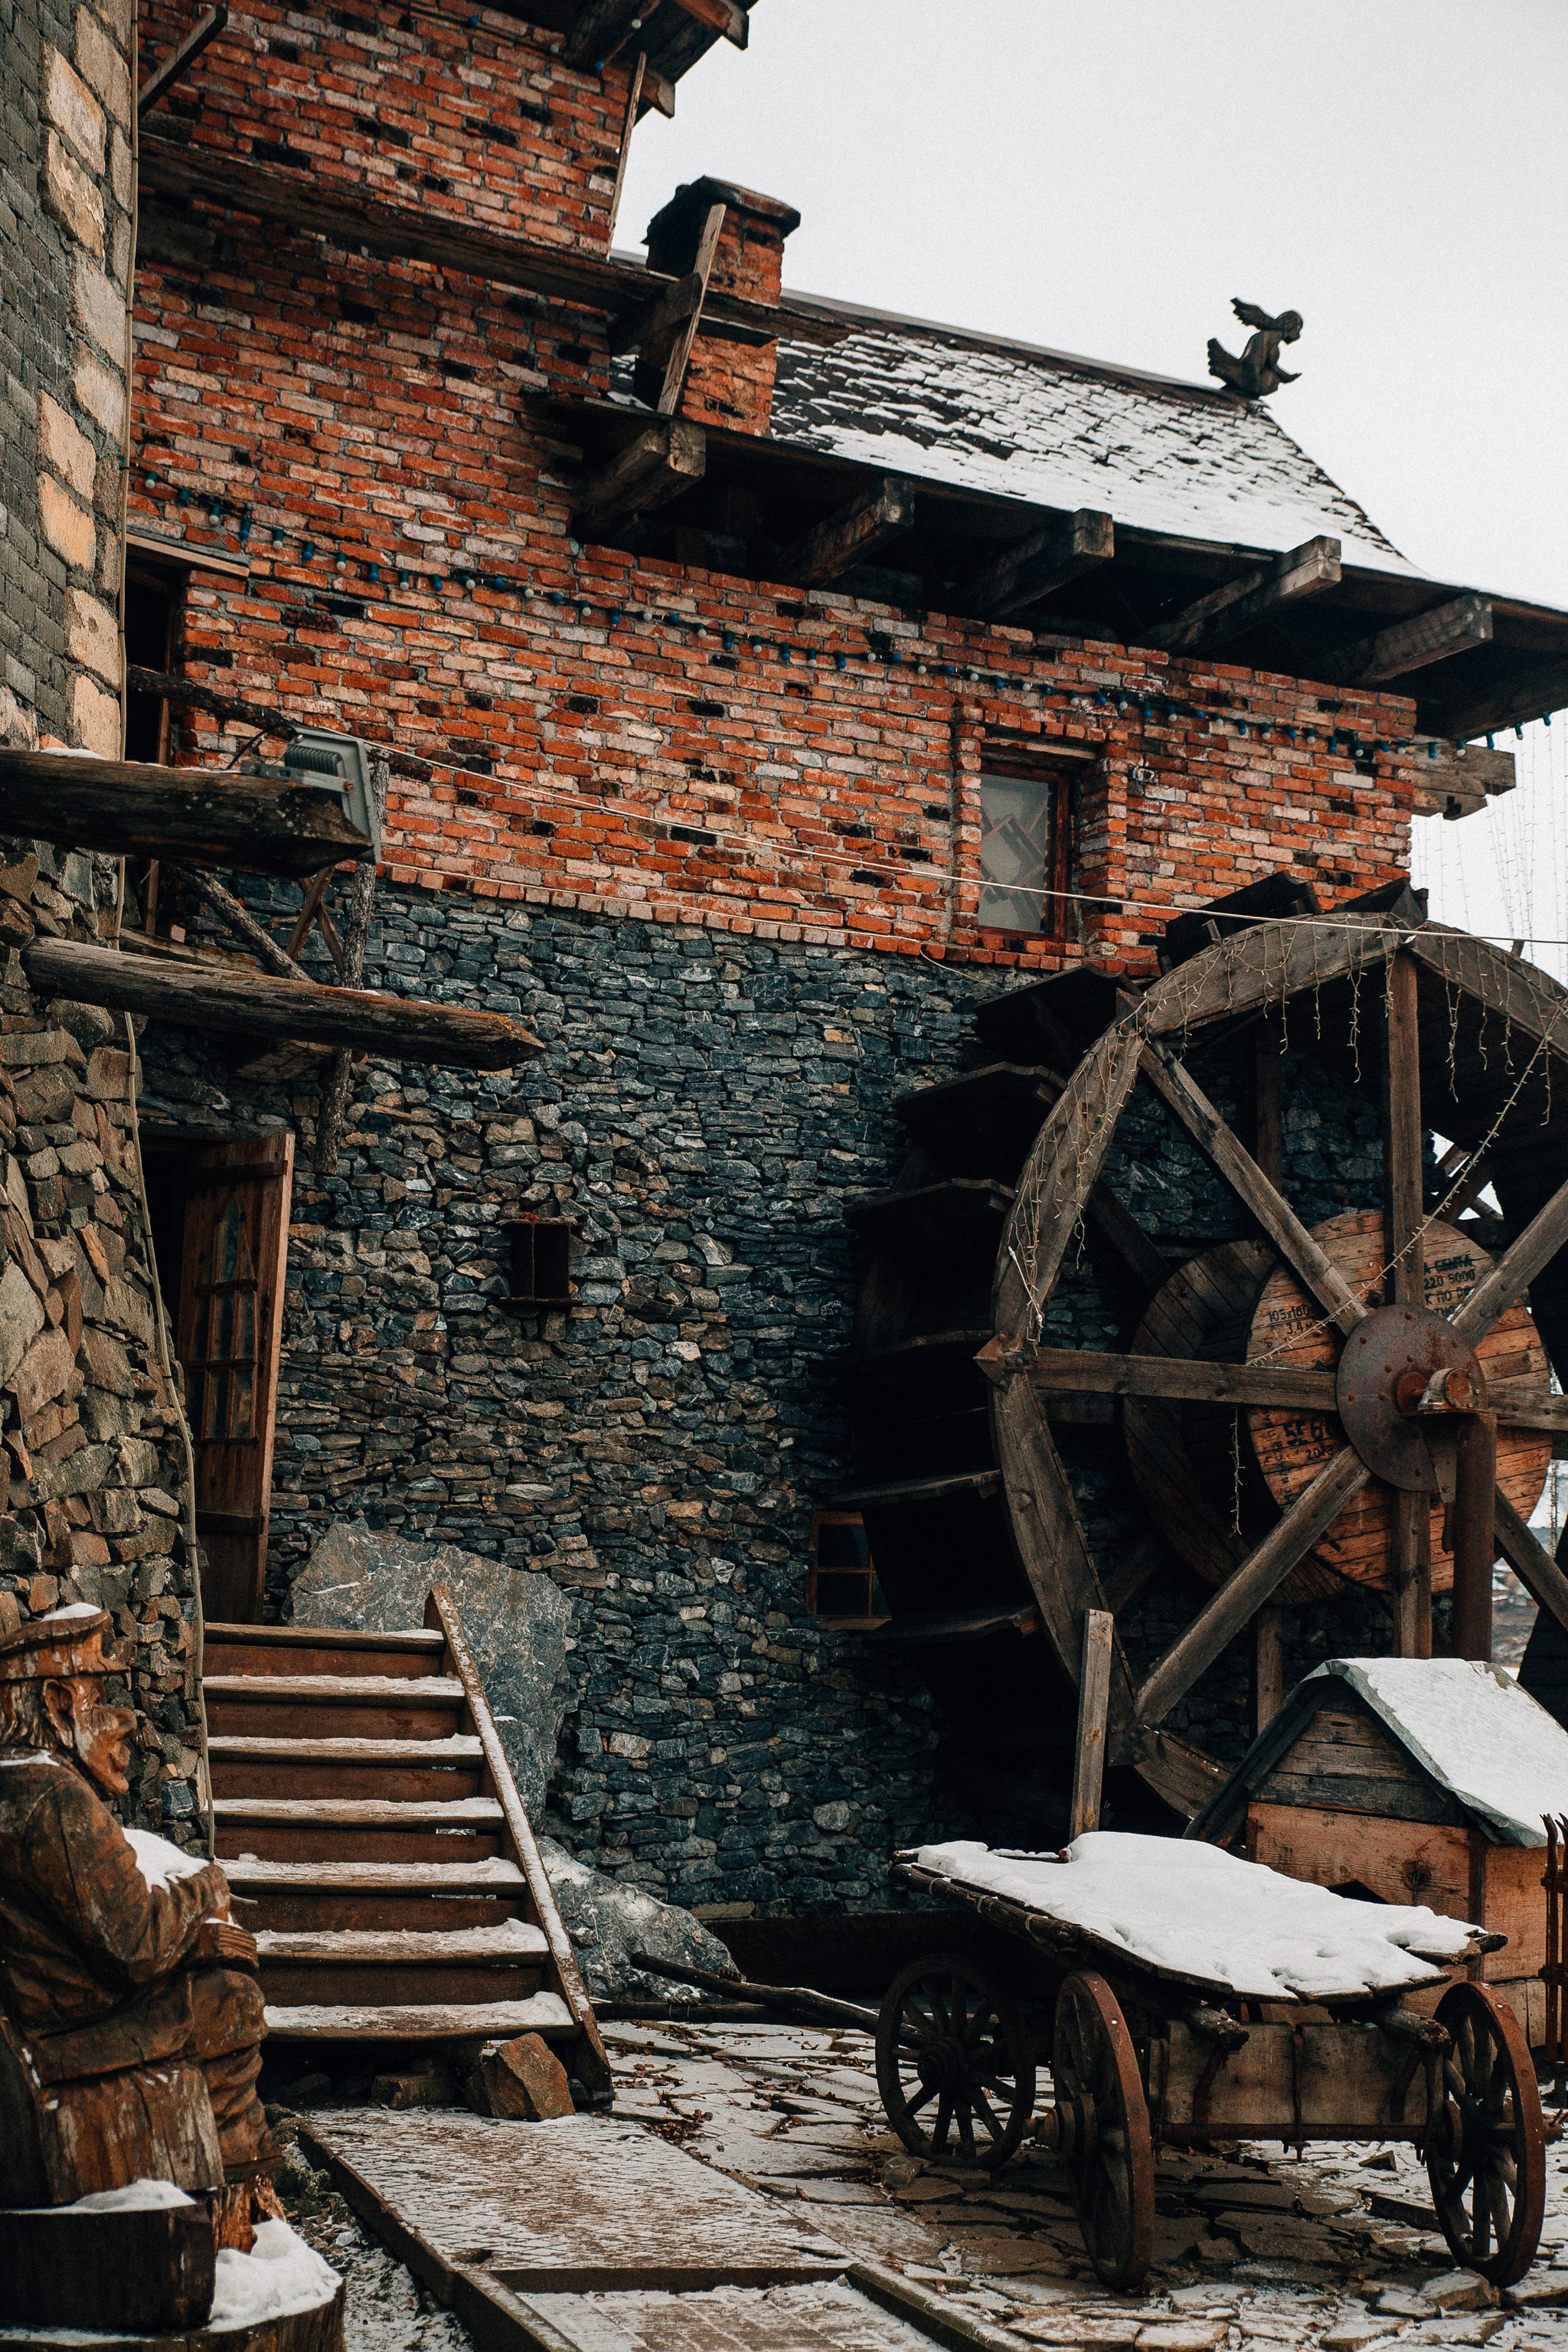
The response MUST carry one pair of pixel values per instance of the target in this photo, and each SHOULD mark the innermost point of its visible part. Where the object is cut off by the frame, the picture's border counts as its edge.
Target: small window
(1025, 845)
(540, 1261)
(152, 604)
(843, 1590)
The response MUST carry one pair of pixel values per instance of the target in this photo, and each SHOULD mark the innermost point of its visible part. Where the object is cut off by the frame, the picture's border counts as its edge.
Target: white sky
(1101, 178)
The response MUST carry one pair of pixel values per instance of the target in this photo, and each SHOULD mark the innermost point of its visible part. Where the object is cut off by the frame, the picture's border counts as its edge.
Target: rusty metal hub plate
(1393, 1341)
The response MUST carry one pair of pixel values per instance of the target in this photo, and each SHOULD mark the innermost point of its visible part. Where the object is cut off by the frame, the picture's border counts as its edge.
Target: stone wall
(95, 1463)
(66, 236)
(702, 1109)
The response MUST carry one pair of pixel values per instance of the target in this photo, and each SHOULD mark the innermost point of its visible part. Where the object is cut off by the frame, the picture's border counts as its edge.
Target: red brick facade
(579, 728)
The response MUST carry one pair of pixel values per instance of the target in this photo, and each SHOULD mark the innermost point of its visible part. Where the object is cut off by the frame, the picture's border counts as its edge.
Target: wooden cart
(1143, 2057)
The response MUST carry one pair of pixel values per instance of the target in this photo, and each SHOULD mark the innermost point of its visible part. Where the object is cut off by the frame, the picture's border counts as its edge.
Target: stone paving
(1337, 2252)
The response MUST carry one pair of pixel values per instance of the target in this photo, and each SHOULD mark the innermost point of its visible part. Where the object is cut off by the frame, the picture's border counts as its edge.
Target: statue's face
(97, 1735)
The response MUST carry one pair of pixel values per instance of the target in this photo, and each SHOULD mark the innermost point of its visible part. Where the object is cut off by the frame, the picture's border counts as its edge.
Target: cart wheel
(954, 2060)
(1486, 2143)
(1105, 2135)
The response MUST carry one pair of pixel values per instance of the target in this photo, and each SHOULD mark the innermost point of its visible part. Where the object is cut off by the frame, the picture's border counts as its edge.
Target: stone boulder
(515, 1621)
(608, 1921)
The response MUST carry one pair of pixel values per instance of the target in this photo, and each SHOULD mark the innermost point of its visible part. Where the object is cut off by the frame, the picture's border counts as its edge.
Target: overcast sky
(1102, 177)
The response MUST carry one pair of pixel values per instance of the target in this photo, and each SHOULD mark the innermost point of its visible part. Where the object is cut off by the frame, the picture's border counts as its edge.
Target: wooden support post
(628, 124)
(334, 1095)
(1268, 1123)
(181, 60)
(240, 921)
(1226, 612)
(851, 536)
(1475, 1535)
(1410, 1584)
(1269, 1693)
(1093, 1705)
(679, 357)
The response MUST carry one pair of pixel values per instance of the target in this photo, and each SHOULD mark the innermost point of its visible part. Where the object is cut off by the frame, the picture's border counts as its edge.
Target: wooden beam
(1514, 1272)
(1410, 1582)
(623, 156)
(664, 460)
(1194, 1111)
(721, 16)
(1255, 1582)
(131, 808)
(180, 59)
(1047, 560)
(254, 1004)
(651, 331)
(240, 921)
(1082, 1371)
(1531, 1561)
(1093, 1704)
(835, 545)
(1410, 645)
(678, 358)
(1538, 694)
(1268, 1669)
(657, 94)
(1455, 780)
(1241, 603)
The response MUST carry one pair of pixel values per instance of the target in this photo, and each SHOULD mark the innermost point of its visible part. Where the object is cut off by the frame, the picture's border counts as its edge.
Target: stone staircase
(372, 1835)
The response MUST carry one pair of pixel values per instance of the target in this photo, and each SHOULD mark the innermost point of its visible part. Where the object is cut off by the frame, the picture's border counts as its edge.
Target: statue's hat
(67, 1642)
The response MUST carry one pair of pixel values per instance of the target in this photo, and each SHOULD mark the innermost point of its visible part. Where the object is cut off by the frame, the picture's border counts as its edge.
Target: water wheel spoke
(965, 2122)
(984, 2107)
(982, 2018)
(1499, 2205)
(943, 2118)
(956, 2009)
(913, 2106)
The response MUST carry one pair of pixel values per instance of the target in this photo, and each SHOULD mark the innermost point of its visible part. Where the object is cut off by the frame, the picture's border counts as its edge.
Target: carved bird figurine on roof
(1258, 371)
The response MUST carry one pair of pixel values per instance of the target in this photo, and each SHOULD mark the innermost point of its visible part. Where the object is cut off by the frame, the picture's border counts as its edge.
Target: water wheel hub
(1383, 1370)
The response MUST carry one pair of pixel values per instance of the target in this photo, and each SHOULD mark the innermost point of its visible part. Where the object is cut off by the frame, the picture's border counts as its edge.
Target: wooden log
(1259, 1575)
(131, 808)
(1451, 628)
(873, 520)
(1267, 1112)
(1186, 1099)
(181, 59)
(1516, 1269)
(240, 921)
(1253, 596)
(1034, 566)
(1070, 1372)
(1093, 1704)
(250, 1003)
(659, 465)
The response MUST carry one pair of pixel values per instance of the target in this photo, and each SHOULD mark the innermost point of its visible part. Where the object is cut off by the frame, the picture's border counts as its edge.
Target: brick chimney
(726, 384)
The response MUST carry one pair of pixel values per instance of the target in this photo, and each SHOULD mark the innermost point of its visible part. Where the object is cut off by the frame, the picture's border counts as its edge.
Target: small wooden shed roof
(1491, 1757)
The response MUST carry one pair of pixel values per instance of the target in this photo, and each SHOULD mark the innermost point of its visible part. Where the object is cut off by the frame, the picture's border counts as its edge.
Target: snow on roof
(918, 399)
(1471, 1727)
(1201, 1913)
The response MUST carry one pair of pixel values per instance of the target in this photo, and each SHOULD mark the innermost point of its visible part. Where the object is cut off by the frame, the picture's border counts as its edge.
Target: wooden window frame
(864, 1619)
(1056, 768)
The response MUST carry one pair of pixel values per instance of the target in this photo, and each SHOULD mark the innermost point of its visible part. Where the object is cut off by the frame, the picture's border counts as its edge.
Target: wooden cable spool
(1265, 1458)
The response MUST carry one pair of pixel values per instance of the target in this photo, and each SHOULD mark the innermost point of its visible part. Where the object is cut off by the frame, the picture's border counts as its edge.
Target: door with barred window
(231, 1321)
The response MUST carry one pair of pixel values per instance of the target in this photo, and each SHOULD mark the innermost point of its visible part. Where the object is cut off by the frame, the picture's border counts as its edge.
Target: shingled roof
(1054, 429)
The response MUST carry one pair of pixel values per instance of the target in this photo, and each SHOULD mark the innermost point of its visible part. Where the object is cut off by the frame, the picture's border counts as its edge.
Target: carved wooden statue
(1258, 371)
(129, 2011)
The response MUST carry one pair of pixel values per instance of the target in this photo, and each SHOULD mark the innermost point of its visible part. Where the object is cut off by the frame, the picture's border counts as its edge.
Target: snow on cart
(1199, 1998)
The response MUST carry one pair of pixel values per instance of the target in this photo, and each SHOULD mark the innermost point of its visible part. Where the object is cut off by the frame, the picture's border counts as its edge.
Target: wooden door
(231, 1321)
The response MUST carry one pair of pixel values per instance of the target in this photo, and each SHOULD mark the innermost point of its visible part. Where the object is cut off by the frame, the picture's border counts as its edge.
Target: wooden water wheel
(1298, 1405)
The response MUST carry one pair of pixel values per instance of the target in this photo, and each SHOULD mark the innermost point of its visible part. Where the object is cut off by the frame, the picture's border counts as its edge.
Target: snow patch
(279, 2275)
(1197, 1910)
(158, 1861)
(1475, 1730)
(72, 1609)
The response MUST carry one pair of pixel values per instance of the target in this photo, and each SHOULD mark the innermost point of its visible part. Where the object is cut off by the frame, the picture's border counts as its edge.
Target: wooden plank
(1036, 565)
(651, 332)
(961, 1203)
(363, 1812)
(1226, 613)
(1058, 1178)
(130, 808)
(181, 59)
(1545, 1235)
(540, 2012)
(516, 1940)
(1048, 1533)
(915, 1494)
(721, 16)
(241, 1003)
(1186, 1099)
(1093, 1705)
(1182, 1774)
(663, 460)
(1259, 967)
(1268, 1669)
(1267, 1112)
(623, 153)
(1451, 628)
(1410, 1561)
(1071, 1372)
(1260, 1575)
(880, 515)
(1396, 1860)
(326, 1690)
(679, 356)
(960, 1625)
(457, 1748)
(592, 2066)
